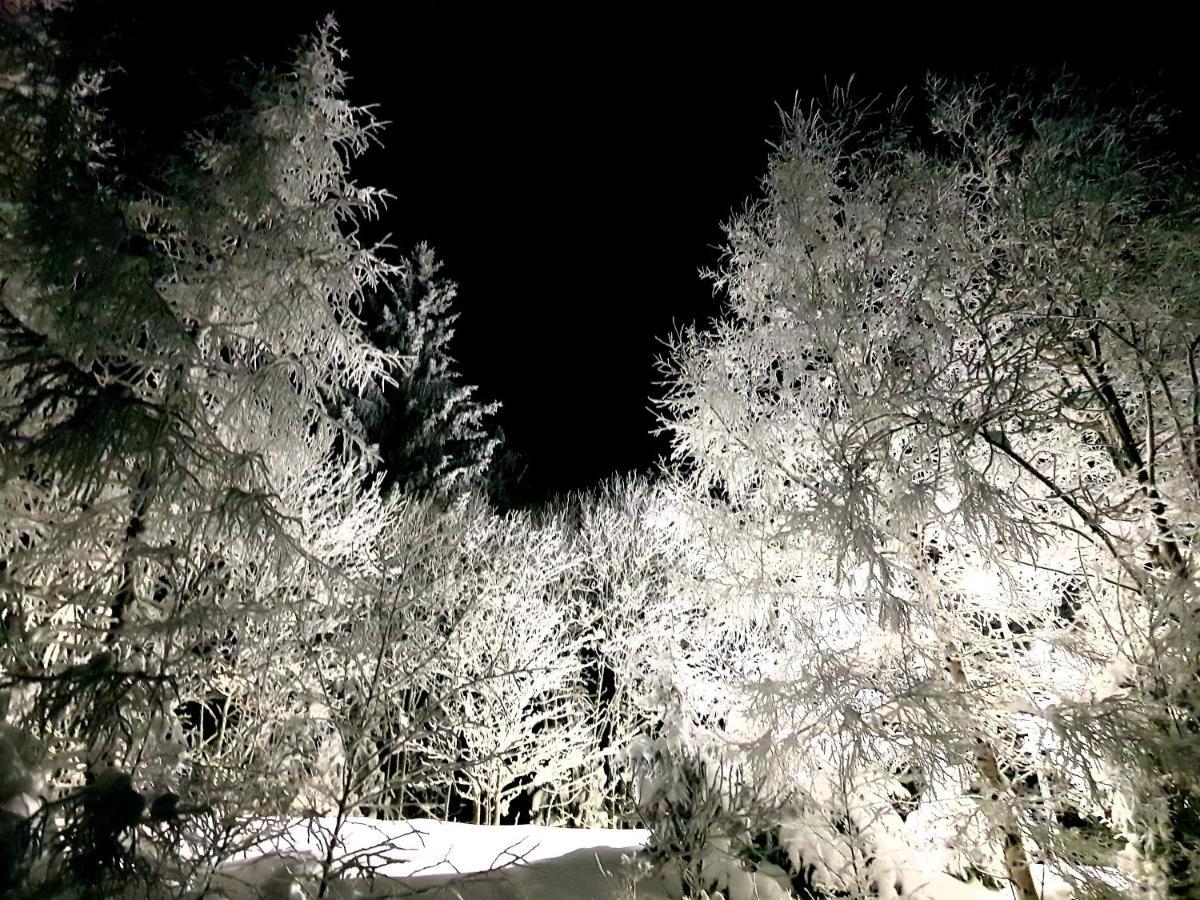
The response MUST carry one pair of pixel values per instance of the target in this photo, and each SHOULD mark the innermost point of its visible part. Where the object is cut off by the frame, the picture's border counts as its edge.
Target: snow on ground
(453, 861)
(444, 859)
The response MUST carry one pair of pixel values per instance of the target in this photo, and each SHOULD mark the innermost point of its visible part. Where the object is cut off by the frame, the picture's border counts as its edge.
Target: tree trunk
(133, 530)
(1016, 861)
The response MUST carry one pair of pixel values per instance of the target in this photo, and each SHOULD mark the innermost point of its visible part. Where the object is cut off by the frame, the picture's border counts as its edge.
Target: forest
(910, 610)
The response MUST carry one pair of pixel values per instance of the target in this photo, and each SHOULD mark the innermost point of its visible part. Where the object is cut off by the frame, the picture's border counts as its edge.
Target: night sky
(573, 185)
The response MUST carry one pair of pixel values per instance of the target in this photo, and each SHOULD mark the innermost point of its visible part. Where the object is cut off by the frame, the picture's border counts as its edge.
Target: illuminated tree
(432, 433)
(622, 622)
(944, 441)
(184, 504)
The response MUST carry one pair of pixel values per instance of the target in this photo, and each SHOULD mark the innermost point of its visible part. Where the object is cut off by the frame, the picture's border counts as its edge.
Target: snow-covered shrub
(704, 814)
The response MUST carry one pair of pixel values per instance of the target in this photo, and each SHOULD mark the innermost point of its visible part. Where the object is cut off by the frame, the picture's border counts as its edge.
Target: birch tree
(943, 436)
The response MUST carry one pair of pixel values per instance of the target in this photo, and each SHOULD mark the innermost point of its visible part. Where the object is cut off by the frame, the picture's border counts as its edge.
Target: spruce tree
(185, 503)
(434, 437)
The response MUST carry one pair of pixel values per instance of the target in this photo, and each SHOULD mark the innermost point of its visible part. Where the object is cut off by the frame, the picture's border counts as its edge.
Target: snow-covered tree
(184, 502)
(511, 715)
(434, 437)
(942, 446)
(543, 638)
(628, 620)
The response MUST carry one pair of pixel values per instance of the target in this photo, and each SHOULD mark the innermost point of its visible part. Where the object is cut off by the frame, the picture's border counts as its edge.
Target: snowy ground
(446, 860)
(451, 861)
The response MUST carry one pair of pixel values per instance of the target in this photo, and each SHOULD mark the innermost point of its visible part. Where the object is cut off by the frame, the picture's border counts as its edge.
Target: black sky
(572, 172)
